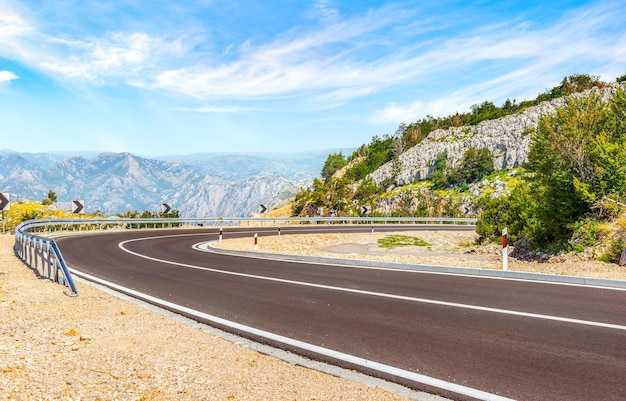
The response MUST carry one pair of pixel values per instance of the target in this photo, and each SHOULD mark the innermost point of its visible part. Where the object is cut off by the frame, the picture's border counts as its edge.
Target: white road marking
(377, 294)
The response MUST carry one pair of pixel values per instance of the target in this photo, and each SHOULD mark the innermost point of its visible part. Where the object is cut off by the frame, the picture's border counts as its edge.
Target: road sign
(5, 204)
(367, 209)
(263, 209)
(78, 206)
(165, 208)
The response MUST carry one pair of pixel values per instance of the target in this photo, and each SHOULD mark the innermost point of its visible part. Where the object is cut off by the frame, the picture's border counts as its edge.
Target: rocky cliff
(508, 138)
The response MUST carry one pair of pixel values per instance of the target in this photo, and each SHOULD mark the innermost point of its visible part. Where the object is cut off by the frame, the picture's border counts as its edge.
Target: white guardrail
(35, 247)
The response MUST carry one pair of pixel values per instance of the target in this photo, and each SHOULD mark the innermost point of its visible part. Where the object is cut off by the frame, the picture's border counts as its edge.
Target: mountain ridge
(115, 183)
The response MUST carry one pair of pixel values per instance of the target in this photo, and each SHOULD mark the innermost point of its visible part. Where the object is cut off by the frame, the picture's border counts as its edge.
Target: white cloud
(7, 76)
(117, 55)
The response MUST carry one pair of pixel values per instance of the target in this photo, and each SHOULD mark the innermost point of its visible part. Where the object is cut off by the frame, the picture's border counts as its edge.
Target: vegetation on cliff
(577, 180)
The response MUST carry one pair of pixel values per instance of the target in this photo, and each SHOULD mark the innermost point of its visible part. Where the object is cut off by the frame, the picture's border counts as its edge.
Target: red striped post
(505, 249)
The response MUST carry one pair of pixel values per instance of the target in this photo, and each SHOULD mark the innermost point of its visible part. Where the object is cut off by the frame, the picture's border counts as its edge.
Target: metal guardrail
(41, 253)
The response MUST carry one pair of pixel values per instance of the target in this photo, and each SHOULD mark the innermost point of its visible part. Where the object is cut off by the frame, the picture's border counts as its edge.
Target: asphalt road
(516, 339)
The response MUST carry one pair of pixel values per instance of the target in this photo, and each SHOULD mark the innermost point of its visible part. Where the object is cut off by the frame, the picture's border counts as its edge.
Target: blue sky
(157, 77)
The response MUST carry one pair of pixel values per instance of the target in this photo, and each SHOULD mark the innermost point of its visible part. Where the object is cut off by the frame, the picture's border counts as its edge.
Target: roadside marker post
(256, 236)
(278, 230)
(505, 248)
(220, 234)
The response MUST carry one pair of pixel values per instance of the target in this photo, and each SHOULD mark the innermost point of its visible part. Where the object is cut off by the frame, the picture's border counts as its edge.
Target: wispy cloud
(115, 55)
(527, 57)
(88, 58)
(330, 62)
(296, 63)
(12, 26)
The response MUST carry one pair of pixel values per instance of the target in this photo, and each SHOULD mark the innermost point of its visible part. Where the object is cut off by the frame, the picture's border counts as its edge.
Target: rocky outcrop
(508, 138)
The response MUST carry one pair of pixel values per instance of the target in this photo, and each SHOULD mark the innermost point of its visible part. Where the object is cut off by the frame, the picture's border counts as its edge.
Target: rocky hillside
(507, 138)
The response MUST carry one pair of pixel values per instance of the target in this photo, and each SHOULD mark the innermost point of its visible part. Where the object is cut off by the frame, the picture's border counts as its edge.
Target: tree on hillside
(571, 84)
(485, 111)
(333, 163)
(378, 152)
(608, 154)
(476, 164)
(516, 212)
(578, 159)
(399, 143)
(439, 176)
(52, 198)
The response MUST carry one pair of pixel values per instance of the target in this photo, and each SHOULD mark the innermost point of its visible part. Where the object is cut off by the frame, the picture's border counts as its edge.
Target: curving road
(497, 338)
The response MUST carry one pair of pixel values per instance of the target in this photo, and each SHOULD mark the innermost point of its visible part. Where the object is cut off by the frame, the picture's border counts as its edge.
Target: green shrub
(614, 252)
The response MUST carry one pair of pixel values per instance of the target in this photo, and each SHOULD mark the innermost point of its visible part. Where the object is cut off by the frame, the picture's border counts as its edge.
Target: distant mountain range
(199, 185)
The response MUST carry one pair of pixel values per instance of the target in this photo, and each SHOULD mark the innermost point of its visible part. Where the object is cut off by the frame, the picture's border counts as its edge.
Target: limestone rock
(508, 138)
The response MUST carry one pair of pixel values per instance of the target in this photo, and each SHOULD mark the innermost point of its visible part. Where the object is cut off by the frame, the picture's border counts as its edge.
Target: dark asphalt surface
(519, 357)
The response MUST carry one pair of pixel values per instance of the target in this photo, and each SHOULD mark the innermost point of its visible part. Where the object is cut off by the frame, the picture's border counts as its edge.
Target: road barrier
(39, 252)
(35, 246)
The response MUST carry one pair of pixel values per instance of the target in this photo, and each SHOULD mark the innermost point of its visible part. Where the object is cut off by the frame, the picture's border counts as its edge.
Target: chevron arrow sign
(78, 206)
(165, 208)
(4, 202)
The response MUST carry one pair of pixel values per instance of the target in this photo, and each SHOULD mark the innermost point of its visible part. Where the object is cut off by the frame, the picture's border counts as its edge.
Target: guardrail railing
(39, 251)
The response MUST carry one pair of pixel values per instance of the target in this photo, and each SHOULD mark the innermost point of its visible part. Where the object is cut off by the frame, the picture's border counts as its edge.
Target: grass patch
(394, 241)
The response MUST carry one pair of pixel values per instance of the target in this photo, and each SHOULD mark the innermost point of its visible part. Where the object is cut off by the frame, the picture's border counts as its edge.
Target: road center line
(378, 294)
